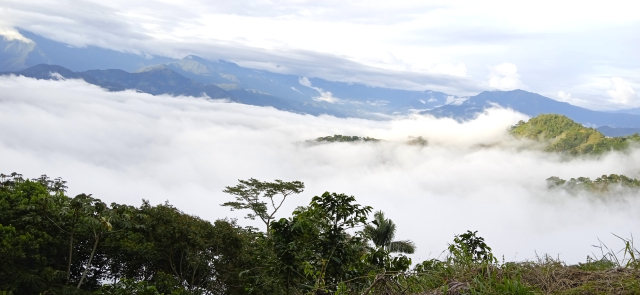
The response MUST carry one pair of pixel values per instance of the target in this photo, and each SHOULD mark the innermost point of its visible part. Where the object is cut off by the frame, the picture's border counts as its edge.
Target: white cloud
(563, 96)
(325, 96)
(622, 93)
(568, 98)
(12, 34)
(505, 77)
(304, 81)
(56, 76)
(125, 146)
(452, 100)
(435, 45)
(459, 70)
(391, 62)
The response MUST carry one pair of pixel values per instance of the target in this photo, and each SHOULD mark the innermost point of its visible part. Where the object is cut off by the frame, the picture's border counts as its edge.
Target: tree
(314, 246)
(51, 244)
(30, 246)
(382, 232)
(469, 248)
(98, 220)
(250, 192)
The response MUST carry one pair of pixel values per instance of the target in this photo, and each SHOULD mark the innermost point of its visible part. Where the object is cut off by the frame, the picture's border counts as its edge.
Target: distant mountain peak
(152, 68)
(196, 58)
(531, 104)
(49, 72)
(16, 55)
(195, 66)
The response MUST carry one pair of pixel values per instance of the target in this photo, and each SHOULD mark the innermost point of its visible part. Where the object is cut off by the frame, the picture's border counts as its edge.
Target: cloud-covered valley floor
(128, 146)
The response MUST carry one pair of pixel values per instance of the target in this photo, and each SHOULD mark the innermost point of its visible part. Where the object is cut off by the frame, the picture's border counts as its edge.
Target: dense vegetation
(561, 134)
(419, 141)
(345, 138)
(51, 243)
(601, 184)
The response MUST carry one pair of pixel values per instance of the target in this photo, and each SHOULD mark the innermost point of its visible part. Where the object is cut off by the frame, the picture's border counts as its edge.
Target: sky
(128, 146)
(581, 52)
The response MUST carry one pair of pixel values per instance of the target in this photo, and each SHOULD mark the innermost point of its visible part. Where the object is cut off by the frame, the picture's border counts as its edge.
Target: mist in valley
(128, 146)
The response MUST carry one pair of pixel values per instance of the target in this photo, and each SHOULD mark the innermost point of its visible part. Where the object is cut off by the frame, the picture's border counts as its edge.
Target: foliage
(469, 248)
(52, 243)
(128, 286)
(249, 192)
(417, 141)
(489, 283)
(49, 242)
(381, 233)
(314, 246)
(601, 184)
(345, 138)
(561, 134)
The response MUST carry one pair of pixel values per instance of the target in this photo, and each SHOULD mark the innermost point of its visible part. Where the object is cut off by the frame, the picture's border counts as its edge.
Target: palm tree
(382, 232)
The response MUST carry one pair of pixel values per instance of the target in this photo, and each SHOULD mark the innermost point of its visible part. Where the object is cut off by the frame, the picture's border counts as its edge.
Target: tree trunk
(86, 268)
(70, 260)
(378, 278)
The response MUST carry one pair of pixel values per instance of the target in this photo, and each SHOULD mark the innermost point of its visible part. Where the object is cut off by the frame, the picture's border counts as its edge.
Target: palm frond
(381, 231)
(405, 246)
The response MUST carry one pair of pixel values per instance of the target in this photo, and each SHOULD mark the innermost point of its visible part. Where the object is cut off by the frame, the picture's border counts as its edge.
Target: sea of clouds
(128, 146)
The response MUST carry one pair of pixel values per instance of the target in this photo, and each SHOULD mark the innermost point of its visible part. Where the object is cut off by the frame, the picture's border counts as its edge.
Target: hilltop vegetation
(557, 132)
(601, 184)
(418, 141)
(51, 243)
(345, 138)
(561, 134)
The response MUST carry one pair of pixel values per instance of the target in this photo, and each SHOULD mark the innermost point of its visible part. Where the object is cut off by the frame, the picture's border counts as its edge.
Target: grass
(610, 272)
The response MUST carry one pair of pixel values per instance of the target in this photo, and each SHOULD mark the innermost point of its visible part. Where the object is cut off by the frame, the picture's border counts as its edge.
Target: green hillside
(564, 135)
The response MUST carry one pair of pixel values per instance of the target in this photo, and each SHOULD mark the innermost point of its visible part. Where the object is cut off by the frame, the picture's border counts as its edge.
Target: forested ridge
(557, 133)
(602, 184)
(561, 134)
(51, 243)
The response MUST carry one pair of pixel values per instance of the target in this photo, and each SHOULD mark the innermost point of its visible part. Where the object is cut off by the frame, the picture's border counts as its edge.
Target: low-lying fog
(127, 146)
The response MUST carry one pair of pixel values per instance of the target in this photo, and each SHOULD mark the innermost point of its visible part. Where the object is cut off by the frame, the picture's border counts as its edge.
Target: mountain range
(533, 104)
(219, 79)
(286, 92)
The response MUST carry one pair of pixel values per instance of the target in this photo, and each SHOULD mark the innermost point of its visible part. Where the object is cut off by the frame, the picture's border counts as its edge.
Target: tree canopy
(249, 193)
(345, 138)
(561, 134)
(51, 243)
(602, 184)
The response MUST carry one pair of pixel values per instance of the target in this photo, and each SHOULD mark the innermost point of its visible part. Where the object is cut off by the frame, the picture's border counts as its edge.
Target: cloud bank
(127, 146)
(505, 77)
(324, 95)
(622, 93)
(408, 44)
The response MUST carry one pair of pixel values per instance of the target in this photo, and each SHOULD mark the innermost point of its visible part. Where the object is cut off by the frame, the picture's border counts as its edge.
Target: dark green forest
(52, 243)
(56, 244)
